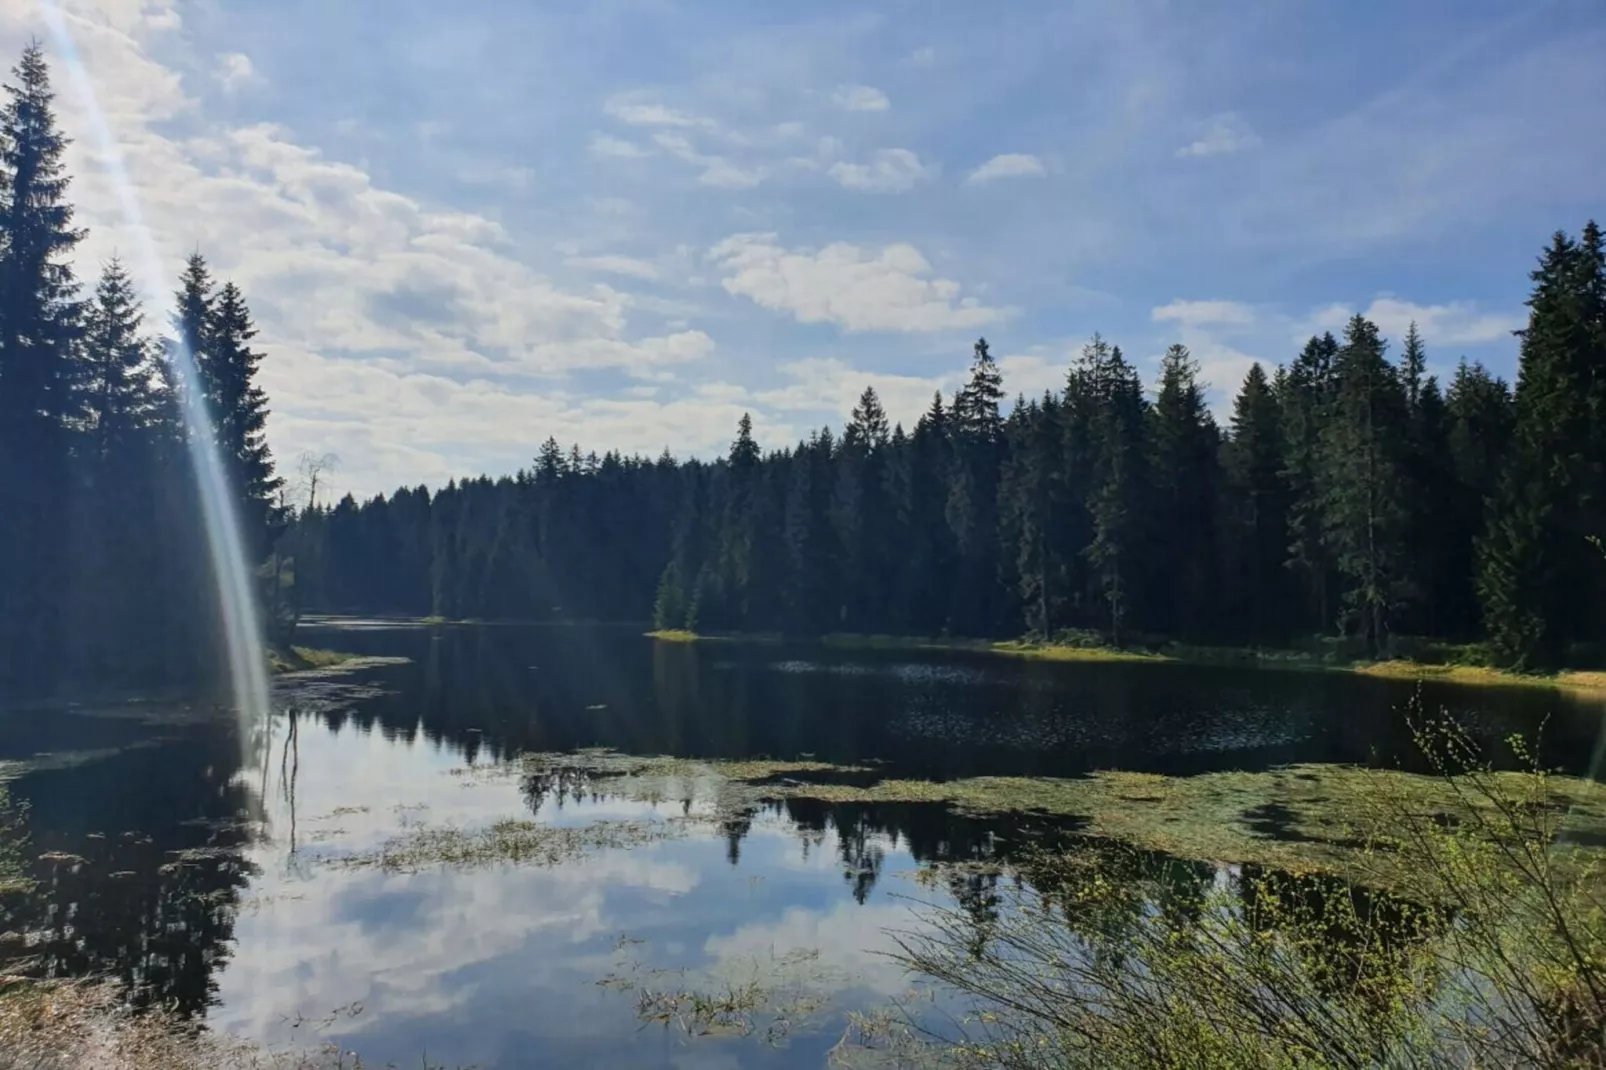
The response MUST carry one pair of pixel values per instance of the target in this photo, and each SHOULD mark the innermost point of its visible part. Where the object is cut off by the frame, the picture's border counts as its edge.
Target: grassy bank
(1469, 674)
(299, 658)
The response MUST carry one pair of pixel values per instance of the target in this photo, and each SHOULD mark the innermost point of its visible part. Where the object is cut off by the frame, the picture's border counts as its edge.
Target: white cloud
(1031, 373)
(1204, 326)
(404, 337)
(923, 57)
(890, 171)
(1452, 324)
(856, 288)
(235, 71)
(1205, 313)
(609, 146)
(831, 385)
(616, 265)
(717, 170)
(860, 98)
(637, 110)
(1221, 134)
(1007, 165)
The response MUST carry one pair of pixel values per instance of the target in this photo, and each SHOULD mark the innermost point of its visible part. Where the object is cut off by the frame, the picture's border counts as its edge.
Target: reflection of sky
(498, 967)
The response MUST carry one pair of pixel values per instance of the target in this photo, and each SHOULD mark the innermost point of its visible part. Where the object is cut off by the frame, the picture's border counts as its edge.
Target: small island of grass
(301, 658)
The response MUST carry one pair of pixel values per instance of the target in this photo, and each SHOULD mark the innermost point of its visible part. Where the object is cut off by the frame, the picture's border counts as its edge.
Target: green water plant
(1490, 951)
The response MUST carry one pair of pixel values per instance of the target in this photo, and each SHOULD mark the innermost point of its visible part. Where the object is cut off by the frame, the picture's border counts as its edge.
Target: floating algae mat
(1300, 818)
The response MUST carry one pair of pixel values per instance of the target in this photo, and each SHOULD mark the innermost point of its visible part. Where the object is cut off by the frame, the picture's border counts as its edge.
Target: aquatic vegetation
(509, 842)
(1489, 953)
(299, 658)
(769, 996)
(1300, 818)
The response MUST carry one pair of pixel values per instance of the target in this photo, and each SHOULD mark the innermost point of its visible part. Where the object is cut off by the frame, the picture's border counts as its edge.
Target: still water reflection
(212, 886)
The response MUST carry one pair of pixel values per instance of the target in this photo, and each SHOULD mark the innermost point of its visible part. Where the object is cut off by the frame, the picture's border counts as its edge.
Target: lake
(283, 885)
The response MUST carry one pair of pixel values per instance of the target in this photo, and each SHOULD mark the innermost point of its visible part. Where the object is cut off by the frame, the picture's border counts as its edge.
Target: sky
(463, 227)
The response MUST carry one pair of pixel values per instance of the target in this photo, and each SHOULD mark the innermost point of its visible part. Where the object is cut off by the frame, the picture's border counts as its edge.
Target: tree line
(1351, 494)
(105, 574)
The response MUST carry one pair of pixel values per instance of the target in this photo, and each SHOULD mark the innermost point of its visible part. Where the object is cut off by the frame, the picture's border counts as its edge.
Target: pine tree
(120, 377)
(1539, 581)
(239, 409)
(1032, 498)
(972, 505)
(1119, 479)
(1305, 397)
(1187, 483)
(1260, 506)
(1363, 471)
(40, 375)
(930, 552)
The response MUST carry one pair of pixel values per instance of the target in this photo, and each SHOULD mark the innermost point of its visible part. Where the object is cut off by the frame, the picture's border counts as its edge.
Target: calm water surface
(248, 923)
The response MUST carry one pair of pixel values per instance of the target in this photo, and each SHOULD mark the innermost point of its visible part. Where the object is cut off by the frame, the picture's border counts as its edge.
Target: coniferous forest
(1350, 495)
(105, 577)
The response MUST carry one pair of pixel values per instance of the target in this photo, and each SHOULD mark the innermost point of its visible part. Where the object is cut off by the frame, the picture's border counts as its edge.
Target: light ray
(231, 571)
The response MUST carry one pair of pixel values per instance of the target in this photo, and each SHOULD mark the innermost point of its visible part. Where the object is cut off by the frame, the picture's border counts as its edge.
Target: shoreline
(1578, 682)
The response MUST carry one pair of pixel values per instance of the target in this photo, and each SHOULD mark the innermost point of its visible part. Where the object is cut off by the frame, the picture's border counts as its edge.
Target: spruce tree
(925, 577)
(1539, 580)
(120, 377)
(239, 409)
(1185, 459)
(1119, 480)
(1032, 498)
(1259, 508)
(1305, 397)
(972, 505)
(1363, 458)
(40, 375)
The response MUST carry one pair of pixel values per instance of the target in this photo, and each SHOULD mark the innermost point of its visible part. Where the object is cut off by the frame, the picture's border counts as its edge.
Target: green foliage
(1490, 952)
(1539, 580)
(1362, 458)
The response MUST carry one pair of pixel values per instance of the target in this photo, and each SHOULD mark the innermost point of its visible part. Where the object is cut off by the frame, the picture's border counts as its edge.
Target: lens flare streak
(231, 571)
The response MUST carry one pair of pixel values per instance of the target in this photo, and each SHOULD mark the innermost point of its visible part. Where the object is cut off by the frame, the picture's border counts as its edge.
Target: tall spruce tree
(1305, 398)
(1185, 463)
(40, 375)
(1119, 480)
(1258, 509)
(1363, 459)
(1539, 581)
(1032, 497)
(1479, 415)
(239, 409)
(120, 379)
(972, 508)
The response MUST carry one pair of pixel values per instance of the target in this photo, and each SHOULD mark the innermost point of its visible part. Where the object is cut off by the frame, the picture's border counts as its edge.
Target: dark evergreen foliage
(105, 578)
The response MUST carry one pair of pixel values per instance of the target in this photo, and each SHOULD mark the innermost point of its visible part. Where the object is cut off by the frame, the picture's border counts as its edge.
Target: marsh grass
(1488, 951)
(507, 842)
(1300, 818)
(769, 997)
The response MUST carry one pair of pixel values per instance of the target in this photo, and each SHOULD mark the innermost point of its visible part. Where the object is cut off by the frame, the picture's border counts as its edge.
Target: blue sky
(466, 226)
